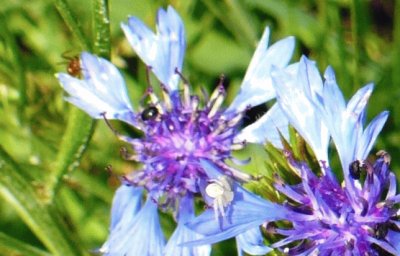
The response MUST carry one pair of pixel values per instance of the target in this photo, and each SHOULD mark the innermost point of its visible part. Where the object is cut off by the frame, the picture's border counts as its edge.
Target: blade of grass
(73, 144)
(396, 59)
(235, 19)
(359, 24)
(70, 20)
(44, 221)
(18, 67)
(12, 246)
(101, 22)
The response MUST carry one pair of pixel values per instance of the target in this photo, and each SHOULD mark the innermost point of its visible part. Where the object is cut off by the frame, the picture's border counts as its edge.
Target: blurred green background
(55, 193)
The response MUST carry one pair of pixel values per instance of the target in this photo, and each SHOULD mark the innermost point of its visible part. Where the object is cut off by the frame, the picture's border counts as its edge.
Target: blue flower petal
(394, 239)
(127, 199)
(297, 96)
(183, 234)
(241, 216)
(102, 90)
(267, 128)
(245, 212)
(346, 125)
(252, 242)
(141, 235)
(256, 87)
(370, 135)
(358, 102)
(163, 51)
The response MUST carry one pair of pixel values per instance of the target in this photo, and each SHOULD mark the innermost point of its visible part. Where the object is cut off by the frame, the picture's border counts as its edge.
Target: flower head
(356, 217)
(179, 128)
(352, 219)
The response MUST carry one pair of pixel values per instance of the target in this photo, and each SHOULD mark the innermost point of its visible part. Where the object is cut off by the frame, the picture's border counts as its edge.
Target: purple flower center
(178, 132)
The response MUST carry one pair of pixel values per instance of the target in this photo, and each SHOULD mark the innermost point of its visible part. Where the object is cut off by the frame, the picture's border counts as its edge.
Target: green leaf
(12, 246)
(229, 56)
(44, 221)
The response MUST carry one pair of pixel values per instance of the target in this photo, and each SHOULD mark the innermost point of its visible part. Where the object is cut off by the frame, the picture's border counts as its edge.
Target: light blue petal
(101, 91)
(333, 114)
(163, 51)
(252, 242)
(241, 216)
(394, 240)
(332, 90)
(300, 106)
(370, 135)
(256, 87)
(246, 211)
(141, 236)
(267, 128)
(126, 204)
(346, 125)
(211, 171)
(183, 234)
(314, 86)
(358, 102)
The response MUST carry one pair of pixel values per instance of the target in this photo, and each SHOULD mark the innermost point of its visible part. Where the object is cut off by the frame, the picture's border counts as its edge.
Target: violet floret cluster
(324, 216)
(180, 131)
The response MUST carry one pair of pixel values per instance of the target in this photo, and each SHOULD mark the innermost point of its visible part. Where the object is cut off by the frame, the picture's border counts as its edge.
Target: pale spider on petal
(220, 190)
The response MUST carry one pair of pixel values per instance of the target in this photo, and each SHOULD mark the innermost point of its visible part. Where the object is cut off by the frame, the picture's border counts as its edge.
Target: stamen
(236, 119)
(127, 156)
(221, 127)
(166, 97)
(116, 133)
(238, 145)
(217, 91)
(216, 106)
(186, 88)
(238, 175)
(386, 157)
(217, 98)
(148, 69)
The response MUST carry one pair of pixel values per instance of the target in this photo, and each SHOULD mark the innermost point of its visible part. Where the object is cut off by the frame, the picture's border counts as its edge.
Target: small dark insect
(355, 169)
(381, 230)
(73, 65)
(149, 113)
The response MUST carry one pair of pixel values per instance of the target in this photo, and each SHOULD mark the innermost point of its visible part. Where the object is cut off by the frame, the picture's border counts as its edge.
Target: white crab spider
(220, 190)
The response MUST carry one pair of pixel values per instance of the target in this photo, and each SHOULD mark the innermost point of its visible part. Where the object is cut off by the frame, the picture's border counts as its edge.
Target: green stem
(101, 22)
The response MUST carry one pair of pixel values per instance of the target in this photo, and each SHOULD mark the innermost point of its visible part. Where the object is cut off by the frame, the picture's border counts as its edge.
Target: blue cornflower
(179, 131)
(356, 217)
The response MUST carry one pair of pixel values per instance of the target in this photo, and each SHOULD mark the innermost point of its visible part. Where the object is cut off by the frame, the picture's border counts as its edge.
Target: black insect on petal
(355, 169)
(149, 113)
(381, 230)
